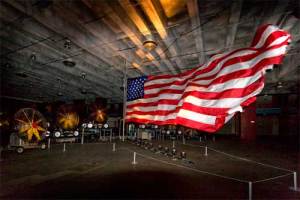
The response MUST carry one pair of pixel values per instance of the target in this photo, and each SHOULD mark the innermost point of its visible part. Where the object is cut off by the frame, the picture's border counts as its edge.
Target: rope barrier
(185, 167)
(276, 177)
(243, 159)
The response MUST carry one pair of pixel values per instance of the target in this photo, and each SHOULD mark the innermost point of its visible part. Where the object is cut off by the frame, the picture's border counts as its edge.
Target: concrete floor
(93, 170)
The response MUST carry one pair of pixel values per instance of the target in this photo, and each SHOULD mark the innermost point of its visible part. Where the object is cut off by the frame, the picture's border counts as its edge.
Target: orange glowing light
(98, 114)
(154, 16)
(173, 7)
(134, 16)
(67, 118)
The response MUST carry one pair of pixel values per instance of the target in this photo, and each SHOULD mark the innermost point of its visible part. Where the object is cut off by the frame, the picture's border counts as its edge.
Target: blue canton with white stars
(135, 88)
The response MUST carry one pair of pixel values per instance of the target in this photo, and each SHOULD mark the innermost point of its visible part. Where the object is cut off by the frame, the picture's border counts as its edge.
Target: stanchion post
(64, 149)
(200, 139)
(49, 143)
(82, 136)
(183, 139)
(114, 147)
(205, 151)
(295, 181)
(173, 144)
(134, 158)
(250, 190)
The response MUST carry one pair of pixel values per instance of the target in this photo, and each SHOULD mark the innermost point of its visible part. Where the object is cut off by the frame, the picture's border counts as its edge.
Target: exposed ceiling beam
(235, 12)
(193, 10)
(157, 20)
(144, 30)
(45, 51)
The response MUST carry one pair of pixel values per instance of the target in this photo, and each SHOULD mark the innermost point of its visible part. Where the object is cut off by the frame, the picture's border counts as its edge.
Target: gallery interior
(150, 99)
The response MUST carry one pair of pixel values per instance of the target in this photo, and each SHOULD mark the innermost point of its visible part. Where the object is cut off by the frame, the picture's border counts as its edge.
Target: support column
(248, 123)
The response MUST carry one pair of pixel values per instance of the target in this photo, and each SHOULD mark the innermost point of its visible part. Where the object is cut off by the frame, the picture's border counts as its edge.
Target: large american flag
(207, 96)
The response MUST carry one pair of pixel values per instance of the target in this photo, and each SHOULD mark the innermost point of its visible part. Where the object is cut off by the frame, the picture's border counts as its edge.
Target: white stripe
(223, 103)
(235, 83)
(226, 70)
(220, 103)
(227, 118)
(279, 40)
(187, 114)
(268, 31)
(231, 84)
(170, 80)
(198, 117)
(249, 64)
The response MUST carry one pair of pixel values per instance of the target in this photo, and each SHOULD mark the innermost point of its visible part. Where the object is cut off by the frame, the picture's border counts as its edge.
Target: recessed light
(69, 63)
(149, 43)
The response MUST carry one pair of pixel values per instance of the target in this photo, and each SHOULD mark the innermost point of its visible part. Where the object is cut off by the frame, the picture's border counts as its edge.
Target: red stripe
(227, 63)
(212, 65)
(233, 93)
(238, 74)
(259, 33)
(161, 101)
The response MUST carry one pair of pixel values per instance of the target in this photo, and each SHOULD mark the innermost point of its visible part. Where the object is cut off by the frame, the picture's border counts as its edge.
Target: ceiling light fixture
(149, 43)
(83, 75)
(67, 44)
(279, 85)
(69, 62)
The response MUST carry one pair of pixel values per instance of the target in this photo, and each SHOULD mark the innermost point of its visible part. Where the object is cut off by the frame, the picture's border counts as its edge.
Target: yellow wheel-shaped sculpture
(67, 119)
(98, 114)
(30, 124)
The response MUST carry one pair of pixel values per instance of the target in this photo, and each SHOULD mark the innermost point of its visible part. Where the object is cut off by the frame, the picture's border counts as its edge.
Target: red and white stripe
(206, 97)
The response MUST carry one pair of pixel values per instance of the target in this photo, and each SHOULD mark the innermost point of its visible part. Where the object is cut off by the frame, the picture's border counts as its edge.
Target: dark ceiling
(41, 40)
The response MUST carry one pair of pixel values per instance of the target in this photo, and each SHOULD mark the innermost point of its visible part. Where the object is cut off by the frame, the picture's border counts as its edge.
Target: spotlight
(90, 125)
(183, 155)
(57, 134)
(166, 150)
(160, 148)
(76, 133)
(174, 151)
